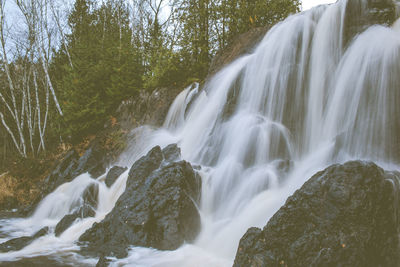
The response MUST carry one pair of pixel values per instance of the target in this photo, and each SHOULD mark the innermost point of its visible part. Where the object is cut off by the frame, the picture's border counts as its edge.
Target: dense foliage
(106, 52)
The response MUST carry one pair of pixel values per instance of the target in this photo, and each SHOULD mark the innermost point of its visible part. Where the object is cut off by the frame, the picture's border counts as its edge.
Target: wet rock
(113, 175)
(21, 242)
(157, 209)
(84, 212)
(94, 161)
(283, 168)
(171, 153)
(62, 173)
(39, 261)
(360, 14)
(71, 166)
(90, 197)
(87, 209)
(103, 262)
(65, 223)
(345, 215)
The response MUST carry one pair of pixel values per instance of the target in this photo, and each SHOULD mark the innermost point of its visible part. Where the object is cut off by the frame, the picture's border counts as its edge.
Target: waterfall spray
(317, 90)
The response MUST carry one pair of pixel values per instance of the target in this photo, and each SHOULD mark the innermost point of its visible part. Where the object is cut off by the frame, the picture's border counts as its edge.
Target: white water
(260, 128)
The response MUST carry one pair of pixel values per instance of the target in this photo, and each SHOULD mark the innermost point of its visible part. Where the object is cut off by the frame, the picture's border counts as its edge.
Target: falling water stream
(308, 96)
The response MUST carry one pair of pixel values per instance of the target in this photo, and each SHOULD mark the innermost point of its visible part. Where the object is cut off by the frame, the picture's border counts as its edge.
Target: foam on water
(301, 101)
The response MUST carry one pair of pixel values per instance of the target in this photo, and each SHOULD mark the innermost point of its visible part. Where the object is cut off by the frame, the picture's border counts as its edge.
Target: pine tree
(106, 66)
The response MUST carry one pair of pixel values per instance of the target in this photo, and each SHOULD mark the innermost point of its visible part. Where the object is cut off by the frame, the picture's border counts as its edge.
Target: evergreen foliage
(111, 50)
(106, 67)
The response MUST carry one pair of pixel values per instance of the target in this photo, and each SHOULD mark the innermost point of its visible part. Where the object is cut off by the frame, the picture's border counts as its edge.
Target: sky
(307, 4)
(14, 15)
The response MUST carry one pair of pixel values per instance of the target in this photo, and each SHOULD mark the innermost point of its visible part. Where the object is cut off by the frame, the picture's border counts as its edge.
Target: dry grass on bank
(16, 190)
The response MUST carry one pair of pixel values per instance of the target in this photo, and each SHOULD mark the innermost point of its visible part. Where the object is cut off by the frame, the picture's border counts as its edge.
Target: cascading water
(310, 95)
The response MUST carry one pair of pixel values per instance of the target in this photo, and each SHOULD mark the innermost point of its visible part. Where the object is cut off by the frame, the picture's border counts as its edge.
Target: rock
(156, 210)
(283, 168)
(94, 161)
(90, 198)
(103, 262)
(171, 153)
(70, 167)
(113, 175)
(37, 261)
(146, 108)
(360, 14)
(84, 212)
(62, 173)
(87, 209)
(345, 215)
(65, 223)
(21, 242)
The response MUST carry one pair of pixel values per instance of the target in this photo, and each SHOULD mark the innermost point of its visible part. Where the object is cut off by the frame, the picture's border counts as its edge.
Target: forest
(65, 68)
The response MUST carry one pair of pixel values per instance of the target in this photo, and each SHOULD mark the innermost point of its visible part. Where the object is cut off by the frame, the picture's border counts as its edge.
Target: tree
(108, 52)
(27, 92)
(106, 66)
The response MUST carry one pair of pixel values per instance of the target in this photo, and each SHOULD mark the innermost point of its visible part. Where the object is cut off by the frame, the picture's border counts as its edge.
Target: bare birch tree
(29, 85)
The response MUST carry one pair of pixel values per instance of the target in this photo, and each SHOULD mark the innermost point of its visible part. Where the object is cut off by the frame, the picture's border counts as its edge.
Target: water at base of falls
(307, 97)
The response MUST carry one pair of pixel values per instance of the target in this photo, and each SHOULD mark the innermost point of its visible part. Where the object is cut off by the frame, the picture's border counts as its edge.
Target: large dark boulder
(157, 209)
(346, 215)
(21, 242)
(113, 175)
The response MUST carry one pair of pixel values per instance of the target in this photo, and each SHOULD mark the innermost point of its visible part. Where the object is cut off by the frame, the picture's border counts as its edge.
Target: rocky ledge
(346, 215)
(158, 208)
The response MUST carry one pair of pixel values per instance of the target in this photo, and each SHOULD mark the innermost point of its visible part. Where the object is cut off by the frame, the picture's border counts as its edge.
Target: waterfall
(320, 88)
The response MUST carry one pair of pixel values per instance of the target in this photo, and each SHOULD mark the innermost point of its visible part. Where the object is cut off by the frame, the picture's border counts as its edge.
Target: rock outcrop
(21, 242)
(113, 175)
(87, 209)
(149, 108)
(158, 208)
(94, 161)
(360, 14)
(346, 215)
